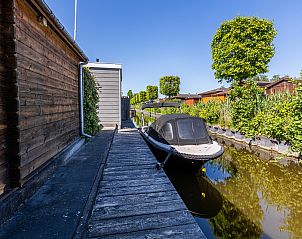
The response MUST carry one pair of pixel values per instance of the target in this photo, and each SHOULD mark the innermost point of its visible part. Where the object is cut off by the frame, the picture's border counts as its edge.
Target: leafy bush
(295, 126)
(91, 99)
(248, 111)
(211, 111)
(243, 100)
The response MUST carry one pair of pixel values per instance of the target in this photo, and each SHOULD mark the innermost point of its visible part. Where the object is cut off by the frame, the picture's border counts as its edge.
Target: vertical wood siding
(282, 87)
(108, 82)
(9, 133)
(48, 91)
(3, 124)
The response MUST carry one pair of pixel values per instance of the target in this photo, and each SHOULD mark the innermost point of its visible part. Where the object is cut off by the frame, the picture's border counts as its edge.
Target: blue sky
(153, 38)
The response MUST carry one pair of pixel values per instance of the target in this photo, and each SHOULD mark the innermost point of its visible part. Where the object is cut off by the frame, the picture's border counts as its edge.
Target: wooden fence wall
(3, 122)
(48, 91)
(39, 90)
(9, 98)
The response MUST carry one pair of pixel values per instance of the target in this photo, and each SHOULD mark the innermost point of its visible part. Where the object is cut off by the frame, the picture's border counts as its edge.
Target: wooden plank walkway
(134, 199)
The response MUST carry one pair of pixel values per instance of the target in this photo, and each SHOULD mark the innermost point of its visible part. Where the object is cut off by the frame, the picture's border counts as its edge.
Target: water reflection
(137, 120)
(267, 192)
(241, 195)
(204, 200)
(218, 217)
(261, 199)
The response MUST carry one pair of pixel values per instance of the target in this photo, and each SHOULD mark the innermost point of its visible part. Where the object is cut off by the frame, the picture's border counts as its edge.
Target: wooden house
(284, 84)
(39, 90)
(218, 94)
(108, 79)
(189, 99)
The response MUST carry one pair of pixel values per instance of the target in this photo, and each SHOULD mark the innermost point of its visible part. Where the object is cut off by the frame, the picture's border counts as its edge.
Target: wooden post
(11, 93)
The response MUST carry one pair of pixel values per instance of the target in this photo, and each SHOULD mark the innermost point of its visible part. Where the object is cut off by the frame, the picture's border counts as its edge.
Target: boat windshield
(167, 131)
(191, 129)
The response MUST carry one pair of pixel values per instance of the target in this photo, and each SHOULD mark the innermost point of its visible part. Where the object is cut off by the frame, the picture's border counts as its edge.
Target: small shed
(108, 78)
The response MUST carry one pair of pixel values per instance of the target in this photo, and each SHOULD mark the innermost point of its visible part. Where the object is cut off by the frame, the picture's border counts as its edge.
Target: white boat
(182, 135)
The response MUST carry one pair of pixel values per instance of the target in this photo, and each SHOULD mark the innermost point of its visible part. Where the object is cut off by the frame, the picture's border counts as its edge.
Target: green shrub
(91, 99)
(243, 101)
(295, 126)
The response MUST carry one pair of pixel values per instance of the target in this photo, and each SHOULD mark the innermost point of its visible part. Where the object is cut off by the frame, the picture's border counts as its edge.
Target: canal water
(241, 195)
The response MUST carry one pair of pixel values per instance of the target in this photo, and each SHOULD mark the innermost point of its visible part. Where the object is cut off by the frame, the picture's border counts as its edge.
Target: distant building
(189, 99)
(108, 79)
(284, 84)
(263, 84)
(218, 94)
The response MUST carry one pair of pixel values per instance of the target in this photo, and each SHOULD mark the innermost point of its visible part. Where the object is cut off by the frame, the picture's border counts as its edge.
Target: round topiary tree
(242, 48)
(169, 85)
(151, 92)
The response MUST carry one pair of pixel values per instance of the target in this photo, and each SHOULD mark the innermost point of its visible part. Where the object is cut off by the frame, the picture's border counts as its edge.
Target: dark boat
(183, 136)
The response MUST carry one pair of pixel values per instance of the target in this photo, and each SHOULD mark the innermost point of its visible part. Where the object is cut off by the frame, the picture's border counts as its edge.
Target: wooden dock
(134, 199)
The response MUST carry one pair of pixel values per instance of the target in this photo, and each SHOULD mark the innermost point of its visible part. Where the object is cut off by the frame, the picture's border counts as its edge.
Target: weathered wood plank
(47, 35)
(47, 134)
(138, 223)
(47, 130)
(37, 75)
(113, 191)
(187, 231)
(114, 177)
(32, 39)
(136, 200)
(133, 168)
(34, 150)
(35, 81)
(48, 151)
(109, 212)
(46, 119)
(49, 66)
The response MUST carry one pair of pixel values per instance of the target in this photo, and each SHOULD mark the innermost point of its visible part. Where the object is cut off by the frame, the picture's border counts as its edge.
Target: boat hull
(179, 152)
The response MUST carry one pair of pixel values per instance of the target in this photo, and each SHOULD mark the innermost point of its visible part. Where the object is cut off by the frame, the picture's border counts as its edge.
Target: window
(190, 129)
(167, 131)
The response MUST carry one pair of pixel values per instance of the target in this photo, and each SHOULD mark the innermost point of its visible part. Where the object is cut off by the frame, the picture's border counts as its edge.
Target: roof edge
(41, 7)
(104, 65)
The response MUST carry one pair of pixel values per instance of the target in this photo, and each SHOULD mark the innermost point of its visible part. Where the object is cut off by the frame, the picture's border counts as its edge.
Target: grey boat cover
(179, 129)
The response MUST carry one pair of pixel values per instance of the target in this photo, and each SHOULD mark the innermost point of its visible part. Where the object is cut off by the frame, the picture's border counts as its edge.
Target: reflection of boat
(211, 202)
(198, 193)
(183, 136)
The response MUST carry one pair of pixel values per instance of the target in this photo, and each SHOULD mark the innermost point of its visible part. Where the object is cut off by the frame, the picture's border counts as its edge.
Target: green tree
(260, 77)
(130, 94)
(137, 98)
(275, 77)
(169, 85)
(152, 92)
(242, 48)
(142, 96)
